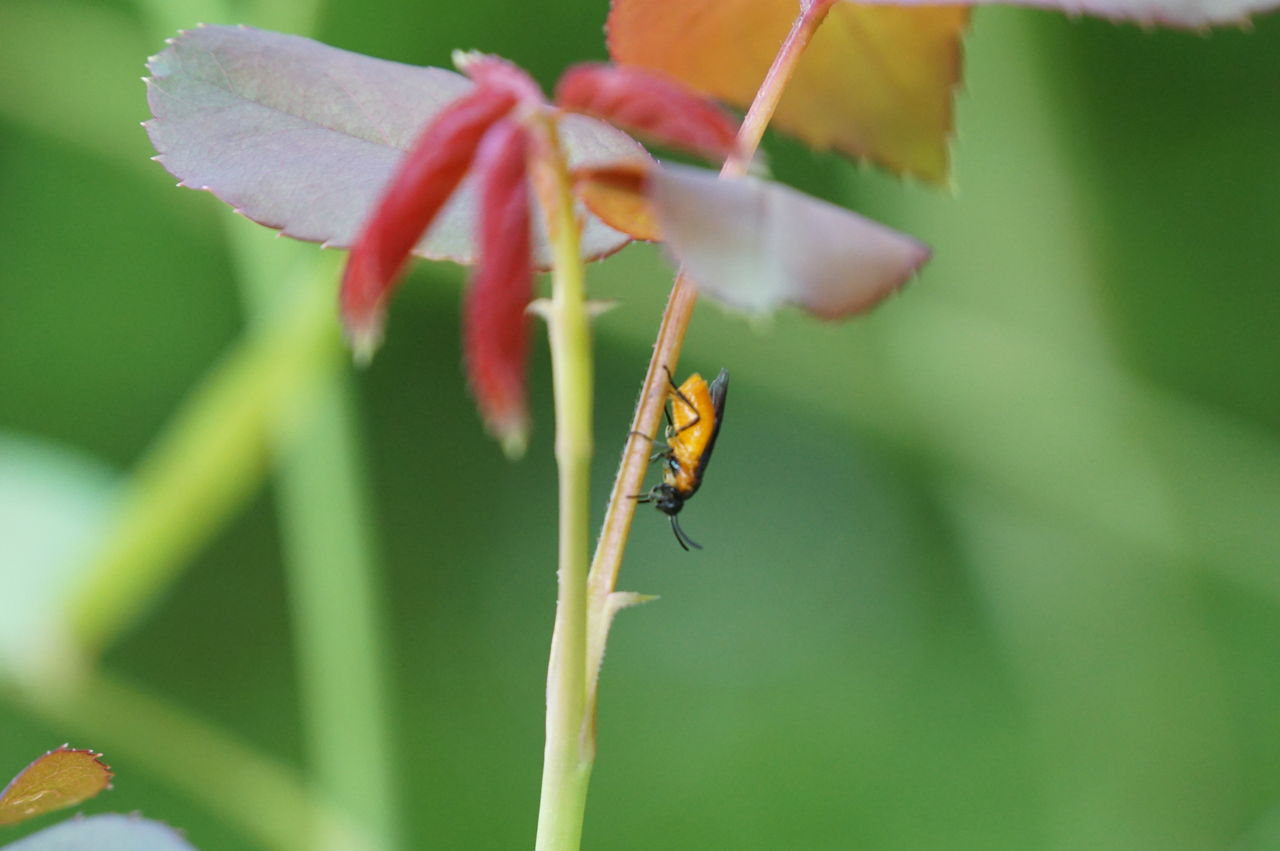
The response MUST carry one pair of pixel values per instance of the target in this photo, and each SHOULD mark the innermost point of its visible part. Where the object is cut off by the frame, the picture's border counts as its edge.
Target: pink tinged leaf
(757, 245)
(304, 137)
(651, 105)
(423, 182)
(496, 321)
(105, 832)
(61, 778)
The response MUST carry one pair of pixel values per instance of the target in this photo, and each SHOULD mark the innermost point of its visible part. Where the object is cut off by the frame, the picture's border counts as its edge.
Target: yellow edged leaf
(875, 83)
(617, 195)
(61, 778)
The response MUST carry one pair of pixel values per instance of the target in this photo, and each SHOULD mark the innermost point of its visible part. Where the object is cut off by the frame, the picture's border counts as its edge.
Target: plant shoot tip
(514, 443)
(365, 341)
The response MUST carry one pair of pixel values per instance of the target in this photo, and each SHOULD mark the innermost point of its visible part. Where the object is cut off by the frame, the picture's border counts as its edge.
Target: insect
(693, 422)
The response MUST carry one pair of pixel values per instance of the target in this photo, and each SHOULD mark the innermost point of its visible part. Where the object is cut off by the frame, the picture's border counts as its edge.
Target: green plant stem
(254, 794)
(328, 553)
(286, 395)
(328, 549)
(570, 742)
(204, 465)
(337, 615)
(666, 350)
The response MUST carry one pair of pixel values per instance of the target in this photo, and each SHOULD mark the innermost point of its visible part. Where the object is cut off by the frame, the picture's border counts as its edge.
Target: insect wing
(719, 391)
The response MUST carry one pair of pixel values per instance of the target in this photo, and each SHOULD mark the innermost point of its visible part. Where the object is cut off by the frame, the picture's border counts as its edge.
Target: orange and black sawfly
(693, 423)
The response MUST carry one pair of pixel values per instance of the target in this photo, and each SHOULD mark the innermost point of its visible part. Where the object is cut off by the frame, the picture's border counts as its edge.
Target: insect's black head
(667, 499)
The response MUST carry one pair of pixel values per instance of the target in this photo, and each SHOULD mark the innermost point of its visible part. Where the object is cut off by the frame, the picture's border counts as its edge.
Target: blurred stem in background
(205, 464)
(280, 384)
(330, 558)
(1045, 531)
(281, 392)
(332, 570)
(328, 553)
(241, 786)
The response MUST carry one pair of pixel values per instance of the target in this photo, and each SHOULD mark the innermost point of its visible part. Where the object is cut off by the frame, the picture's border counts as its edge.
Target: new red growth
(424, 181)
(651, 105)
(496, 323)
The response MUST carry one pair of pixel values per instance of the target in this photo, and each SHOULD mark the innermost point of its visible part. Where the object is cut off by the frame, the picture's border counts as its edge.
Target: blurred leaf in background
(995, 567)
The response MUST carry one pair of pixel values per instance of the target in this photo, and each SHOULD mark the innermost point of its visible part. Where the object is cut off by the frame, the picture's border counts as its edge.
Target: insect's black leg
(697, 418)
(661, 453)
(671, 379)
(672, 431)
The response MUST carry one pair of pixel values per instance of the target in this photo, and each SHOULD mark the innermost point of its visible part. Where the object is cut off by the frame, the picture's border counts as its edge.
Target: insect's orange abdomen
(693, 423)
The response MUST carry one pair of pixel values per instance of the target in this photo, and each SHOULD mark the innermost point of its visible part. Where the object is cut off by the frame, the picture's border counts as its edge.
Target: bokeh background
(997, 566)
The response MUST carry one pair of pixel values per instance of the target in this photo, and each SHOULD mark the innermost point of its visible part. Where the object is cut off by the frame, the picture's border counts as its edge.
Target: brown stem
(666, 350)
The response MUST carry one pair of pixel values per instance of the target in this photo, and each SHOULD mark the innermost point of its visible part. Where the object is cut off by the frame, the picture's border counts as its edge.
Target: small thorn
(619, 600)
(540, 307)
(599, 307)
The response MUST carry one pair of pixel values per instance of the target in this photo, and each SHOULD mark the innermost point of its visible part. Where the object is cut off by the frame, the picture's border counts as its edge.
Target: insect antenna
(684, 540)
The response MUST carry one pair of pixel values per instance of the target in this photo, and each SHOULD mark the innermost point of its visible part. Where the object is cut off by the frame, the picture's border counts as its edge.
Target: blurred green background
(997, 566)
